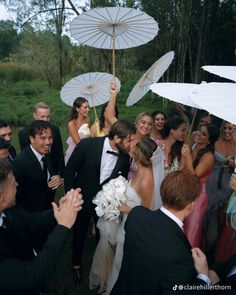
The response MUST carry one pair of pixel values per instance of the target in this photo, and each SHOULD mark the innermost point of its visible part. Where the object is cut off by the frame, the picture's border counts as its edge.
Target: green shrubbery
(13, 72)
(18, 99)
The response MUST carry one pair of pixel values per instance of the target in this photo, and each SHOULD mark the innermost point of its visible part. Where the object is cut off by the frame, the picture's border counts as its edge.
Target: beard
(121, 148)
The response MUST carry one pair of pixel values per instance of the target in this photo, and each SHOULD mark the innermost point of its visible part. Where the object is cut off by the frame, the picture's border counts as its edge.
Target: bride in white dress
(108, 255)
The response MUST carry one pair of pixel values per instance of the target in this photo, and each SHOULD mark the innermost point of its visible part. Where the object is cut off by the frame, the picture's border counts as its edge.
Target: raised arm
(110, 110)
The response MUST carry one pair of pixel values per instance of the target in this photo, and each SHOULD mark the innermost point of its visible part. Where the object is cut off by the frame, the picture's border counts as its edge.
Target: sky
(4, 15)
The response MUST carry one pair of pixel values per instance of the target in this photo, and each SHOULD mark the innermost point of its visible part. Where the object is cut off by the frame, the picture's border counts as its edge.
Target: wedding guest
(217, 185)
(200, 161)
(159, 120)
(205, 119)
(6, 133)
(102, 126)
(43, 112)
(21, 270)
(174, 133)
(226, 244)
(157, 256)
(93, 163)
(4, 145)
(33, 170)
(78, 118)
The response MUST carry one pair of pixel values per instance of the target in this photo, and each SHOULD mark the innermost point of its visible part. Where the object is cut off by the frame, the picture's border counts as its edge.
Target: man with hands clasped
(22, 270)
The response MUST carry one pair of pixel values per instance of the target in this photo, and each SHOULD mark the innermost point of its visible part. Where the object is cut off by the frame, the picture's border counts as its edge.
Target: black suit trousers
(80, 230)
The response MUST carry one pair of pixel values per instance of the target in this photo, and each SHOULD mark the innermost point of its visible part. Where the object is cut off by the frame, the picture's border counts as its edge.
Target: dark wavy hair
(213, 133)
(76, 104)
(173, 123)
(102, 118)
(158, 112)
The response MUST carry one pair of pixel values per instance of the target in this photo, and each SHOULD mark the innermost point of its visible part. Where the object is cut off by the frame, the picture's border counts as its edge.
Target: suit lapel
(35, 162)
(98, 155)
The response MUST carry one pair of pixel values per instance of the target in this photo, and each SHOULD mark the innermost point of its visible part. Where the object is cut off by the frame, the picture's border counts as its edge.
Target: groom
(93, 163)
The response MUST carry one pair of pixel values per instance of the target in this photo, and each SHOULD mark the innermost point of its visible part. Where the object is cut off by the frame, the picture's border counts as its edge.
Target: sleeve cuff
(204, 278)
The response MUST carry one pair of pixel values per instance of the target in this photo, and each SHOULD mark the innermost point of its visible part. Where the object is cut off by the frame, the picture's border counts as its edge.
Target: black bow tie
(113, 153)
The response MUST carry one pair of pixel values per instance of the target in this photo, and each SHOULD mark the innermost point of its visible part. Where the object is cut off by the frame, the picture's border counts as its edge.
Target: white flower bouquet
(112, 195)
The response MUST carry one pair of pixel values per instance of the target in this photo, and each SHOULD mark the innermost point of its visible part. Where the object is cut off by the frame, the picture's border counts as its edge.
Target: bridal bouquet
(110, 198)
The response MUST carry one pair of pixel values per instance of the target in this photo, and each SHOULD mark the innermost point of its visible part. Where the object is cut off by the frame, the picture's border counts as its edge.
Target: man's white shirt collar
(37, 154)
(1, 216)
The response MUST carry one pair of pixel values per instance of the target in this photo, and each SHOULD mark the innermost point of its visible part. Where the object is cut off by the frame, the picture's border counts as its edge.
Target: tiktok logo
(175, 287)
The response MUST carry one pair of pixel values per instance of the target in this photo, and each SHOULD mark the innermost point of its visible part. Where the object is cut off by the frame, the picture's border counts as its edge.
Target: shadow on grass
(61, 280)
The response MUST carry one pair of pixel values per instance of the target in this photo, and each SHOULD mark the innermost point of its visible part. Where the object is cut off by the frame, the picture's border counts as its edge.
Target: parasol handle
(113, 53)
(95, 113)
(192, 123)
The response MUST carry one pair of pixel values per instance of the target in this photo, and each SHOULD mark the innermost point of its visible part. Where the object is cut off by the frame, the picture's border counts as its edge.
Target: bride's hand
(185, 151)
(124, 208)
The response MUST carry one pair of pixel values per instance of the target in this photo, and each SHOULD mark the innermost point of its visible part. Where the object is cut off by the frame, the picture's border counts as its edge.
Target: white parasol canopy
(95, 87)
(153, 74)
(218, 99)
(177, 92)
(228, 72)
(113, 28)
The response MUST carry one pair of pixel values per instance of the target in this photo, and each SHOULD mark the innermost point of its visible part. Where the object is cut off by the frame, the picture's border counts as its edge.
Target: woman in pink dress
(79, 116)
(200, 161)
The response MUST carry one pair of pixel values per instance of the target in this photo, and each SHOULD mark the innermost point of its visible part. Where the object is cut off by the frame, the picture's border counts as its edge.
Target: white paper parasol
(177, 92)
(218, 99)
(228, 72)
(152, 75)
(95, 87)
(113, 28)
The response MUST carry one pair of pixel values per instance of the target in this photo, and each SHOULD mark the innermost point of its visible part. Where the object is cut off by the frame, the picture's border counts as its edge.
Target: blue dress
(217, 185)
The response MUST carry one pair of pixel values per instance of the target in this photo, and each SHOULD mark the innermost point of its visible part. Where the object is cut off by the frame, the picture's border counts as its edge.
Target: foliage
(13, 72)
(8, 38)
(17, 101)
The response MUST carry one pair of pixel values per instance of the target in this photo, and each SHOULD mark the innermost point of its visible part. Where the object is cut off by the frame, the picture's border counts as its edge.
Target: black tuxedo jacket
(33, 193)
(157, 256)
(56, 151)
(83, 170)
(12, 153)
(22, 272)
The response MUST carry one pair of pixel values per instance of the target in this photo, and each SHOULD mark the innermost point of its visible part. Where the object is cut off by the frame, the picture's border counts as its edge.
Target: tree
(8, 38)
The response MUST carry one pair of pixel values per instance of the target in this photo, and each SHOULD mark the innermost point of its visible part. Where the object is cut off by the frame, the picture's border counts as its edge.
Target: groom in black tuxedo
(157, 256)
(93, 163)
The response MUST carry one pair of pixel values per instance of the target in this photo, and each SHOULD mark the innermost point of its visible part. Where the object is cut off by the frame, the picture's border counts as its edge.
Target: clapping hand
(70, 205)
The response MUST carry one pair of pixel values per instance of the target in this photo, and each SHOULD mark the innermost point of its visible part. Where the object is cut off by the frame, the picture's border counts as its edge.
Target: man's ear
(31, 138)
(34, 116)
(190, 206)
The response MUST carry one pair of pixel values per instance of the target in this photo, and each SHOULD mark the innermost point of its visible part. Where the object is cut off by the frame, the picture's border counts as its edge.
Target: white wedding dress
(109, 252)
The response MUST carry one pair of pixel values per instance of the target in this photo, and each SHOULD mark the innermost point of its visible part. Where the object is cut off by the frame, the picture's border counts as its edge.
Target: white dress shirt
(108, 161)
(39, 157)
(1, 220)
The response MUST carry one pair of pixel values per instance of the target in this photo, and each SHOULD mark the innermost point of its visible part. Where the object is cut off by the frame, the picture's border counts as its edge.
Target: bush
(12, 72)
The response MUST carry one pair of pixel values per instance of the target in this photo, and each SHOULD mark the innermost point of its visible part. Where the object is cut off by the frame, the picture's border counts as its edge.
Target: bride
(108, 256)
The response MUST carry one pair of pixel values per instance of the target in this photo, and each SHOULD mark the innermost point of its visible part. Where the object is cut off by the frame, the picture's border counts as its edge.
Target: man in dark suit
(93, 163)
(157, 255)
(42, 112)
(33, 170)
(6, 133)
(21, 271)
